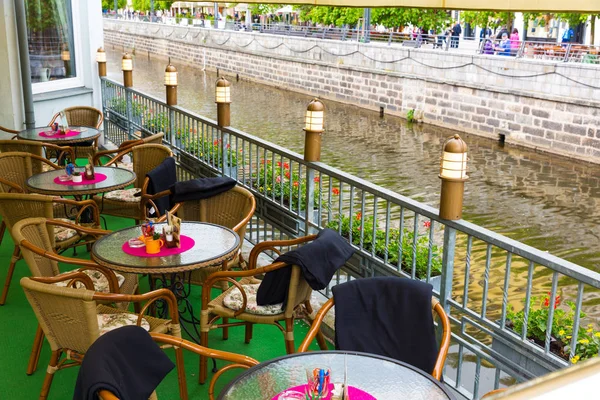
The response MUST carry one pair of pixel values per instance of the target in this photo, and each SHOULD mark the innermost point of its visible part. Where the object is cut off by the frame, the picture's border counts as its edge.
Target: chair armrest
(149, 298)
(82, 229)
(13, 187)
(74, 277)
(7, 130)
(125, 145)
(82, 205)
(57, 257)
(243, 222)
(316, 325)
(271, 245)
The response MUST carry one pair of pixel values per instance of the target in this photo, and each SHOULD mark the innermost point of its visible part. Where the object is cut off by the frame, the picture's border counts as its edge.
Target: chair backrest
(299, 291)
(38, 233)
(17, 167)
(15, 207)
(146, 157)
(156, 138)
(37, 148)
(67, 316)
(231, 209)
(83, 116)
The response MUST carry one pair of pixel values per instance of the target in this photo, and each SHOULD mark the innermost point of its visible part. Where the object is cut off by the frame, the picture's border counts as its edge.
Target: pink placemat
(186, 244)
(353, 392)
(97, 178)
(52, 134)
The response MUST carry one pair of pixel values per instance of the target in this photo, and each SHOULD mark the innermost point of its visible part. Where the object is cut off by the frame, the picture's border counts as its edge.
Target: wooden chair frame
(435, 306)
(8, 130)
(75, 357)
(61, 151)
(73, 120)
(288, 315)
(127, 145)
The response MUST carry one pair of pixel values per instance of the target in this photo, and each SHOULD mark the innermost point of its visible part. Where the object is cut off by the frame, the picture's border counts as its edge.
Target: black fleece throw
(201, 188)
(162, 178)
(318, 259)
(125, 361)
(388, 316)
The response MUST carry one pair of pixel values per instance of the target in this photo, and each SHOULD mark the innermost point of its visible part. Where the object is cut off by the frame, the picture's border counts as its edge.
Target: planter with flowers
(536, 362)
(211, 152)
(395, 245)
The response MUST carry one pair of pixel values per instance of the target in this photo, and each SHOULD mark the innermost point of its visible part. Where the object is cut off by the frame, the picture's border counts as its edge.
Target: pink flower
(278, 179)
(427, 224)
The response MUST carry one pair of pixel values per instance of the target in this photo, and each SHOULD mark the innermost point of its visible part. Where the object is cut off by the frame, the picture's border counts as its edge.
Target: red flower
(556, 300)
(279, 163)
(216, 142)
(287, 174)
(286, 165)
(427, 224)
(228, 146)
(358, 216)
(335, 191)
(317, 180)
(296, 183)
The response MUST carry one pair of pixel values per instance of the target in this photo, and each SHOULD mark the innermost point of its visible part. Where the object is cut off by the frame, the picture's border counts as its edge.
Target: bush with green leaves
(212, 152)
(396, 246)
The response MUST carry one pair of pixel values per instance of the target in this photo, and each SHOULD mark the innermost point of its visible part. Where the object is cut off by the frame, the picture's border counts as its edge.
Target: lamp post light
(223, 100)
(101, 60)
(171, 84)
(313, 128)
(453, 173)
(127, 67)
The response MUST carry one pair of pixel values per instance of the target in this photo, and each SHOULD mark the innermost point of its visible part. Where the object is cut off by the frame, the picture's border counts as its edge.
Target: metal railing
(530, 49)
(478, 275)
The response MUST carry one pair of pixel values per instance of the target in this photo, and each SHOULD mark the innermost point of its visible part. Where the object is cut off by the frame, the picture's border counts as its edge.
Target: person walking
(503, 48)
(456, 31)
(515, 42)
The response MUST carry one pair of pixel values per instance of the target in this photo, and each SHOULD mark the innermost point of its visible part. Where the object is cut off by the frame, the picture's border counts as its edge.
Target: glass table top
(115, 178)
(381, 377)
(87, 133)
(212, 244)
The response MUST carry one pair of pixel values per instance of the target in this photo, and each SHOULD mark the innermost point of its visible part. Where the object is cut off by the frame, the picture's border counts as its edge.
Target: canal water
(542, 200)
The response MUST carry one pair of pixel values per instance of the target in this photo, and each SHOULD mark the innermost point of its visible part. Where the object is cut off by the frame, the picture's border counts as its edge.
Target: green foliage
(422, 18)
(491, 19)
(278, 182)
(562, 327)
(395, 244)
(212, 152)
(110, 4)
(144, 5)
(119, 104)
(263, 9)
(410, 115)
(573, 19)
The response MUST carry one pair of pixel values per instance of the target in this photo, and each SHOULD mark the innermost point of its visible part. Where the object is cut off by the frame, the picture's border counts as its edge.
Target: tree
(422, 18)
(330, 15)
(143, 5)
(490, 19)
(263, 9)
(110, 4)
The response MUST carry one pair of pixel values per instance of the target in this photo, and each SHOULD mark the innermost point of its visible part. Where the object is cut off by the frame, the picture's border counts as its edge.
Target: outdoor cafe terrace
(496, 339)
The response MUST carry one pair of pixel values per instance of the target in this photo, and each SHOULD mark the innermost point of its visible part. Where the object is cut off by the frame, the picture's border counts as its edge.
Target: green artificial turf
(18, 325)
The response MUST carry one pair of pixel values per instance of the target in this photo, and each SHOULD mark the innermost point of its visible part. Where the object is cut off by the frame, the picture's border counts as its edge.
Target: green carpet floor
(18, 325)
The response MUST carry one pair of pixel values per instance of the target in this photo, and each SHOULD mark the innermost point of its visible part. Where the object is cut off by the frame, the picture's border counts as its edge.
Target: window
(52, 44)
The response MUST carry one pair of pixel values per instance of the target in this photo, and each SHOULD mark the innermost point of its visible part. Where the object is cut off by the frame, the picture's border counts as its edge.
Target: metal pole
(24, 59)
(447, 267)
(367, 16)
(152, 11)
(116, 9)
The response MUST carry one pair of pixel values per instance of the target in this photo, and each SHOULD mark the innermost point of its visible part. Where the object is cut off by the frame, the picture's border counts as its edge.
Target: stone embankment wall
(551, 106)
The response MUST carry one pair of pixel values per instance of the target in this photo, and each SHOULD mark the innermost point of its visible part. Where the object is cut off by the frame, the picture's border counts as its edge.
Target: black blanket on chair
(162, 178)
(126, 362)
(389, 316)
(201, 188)
(319, 260)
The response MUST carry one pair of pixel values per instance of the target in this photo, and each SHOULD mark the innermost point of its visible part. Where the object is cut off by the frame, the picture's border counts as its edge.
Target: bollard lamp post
(453, 173)
(101, 60)
(223, 100)
(313, 129)
(127, 68)
(171, 84)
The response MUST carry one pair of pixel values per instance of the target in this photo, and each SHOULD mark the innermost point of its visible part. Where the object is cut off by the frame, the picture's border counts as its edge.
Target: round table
(382, 377)
(116, 178)
(88, 134)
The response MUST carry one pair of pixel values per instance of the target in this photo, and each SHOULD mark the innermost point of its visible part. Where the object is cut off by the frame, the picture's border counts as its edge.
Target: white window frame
(77, 80)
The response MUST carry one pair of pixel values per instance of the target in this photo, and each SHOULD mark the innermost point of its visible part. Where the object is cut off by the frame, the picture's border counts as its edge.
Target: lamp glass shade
(127, 64)
(100, 56)
(170, 78)
(223, 94)
(314, 121)
(65, 55)
(454, 165)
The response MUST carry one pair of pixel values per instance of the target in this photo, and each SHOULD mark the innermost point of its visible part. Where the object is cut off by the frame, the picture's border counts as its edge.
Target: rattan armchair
(61, 153)
(238, 360)
(123, 203)
(15, 207)
(156, 138)
(8, 130)
(298, 301)
(72, 319)
(83, 116)
(436, 307)
(17, 167)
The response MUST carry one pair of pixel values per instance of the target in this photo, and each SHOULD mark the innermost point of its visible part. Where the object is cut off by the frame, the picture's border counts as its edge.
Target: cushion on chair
(234, 300)
(108, 322)
(62, 233)
(126, 165)
(98, 279)
(125, 195)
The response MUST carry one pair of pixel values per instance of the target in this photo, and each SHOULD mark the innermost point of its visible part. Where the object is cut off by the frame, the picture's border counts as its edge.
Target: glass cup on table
(318, 379)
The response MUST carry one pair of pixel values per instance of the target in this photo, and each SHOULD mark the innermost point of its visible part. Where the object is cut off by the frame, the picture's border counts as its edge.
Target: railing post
(447, 267)
(567, 53)
(128, 97)
(390, 38)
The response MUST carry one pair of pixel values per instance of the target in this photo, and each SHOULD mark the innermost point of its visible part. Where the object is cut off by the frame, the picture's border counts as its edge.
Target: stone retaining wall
(555, 111)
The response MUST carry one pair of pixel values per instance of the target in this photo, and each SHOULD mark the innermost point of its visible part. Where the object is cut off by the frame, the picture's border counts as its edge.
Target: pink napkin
(52, 134)
(186, 244)
(353, 392)
(97, 178)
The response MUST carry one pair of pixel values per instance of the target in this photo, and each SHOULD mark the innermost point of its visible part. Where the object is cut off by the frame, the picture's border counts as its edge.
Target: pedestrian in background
(456, 31)
(503, 48)
(515, 42)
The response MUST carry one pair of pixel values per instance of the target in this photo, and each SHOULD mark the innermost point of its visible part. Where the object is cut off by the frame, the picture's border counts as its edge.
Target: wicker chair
(239, 361)
(39, 149)
(15, 207)
(298, 301)
(72, 319)
(11, 131)
(436, 308)
(35, 243)
(123, 203)
(157, 138)
(83, 116)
